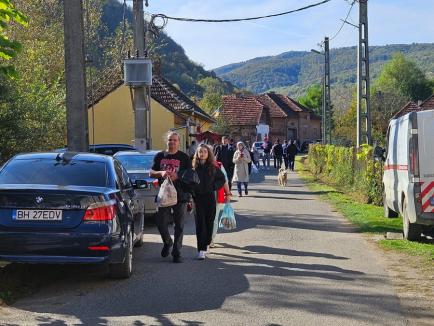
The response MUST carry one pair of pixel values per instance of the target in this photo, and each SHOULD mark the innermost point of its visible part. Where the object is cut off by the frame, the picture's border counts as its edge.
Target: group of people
(215, 170)
(283, 153)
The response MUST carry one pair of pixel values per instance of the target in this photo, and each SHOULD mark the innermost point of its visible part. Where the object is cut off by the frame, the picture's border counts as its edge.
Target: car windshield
(52, 172)
(135, 163)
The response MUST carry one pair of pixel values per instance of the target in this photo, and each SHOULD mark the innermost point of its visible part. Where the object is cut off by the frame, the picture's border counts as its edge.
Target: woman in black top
(211, 179)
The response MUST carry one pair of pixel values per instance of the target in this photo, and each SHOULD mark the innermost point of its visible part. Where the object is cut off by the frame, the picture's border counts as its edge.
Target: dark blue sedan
(69, 208)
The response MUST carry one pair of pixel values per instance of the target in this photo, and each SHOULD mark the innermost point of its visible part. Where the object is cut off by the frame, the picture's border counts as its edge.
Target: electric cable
(343, 22)
(166, 18)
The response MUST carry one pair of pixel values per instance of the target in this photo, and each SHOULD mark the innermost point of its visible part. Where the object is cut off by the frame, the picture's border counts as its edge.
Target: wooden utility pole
(328, 113)
(76, 102)
(363, 81)
(141, 104)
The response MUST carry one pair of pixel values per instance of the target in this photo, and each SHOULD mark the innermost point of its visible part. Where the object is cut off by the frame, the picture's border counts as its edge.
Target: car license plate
(37, 215)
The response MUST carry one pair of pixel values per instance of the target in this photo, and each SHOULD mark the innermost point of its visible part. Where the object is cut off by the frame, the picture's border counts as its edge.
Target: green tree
(9, 48)
(313, 98)
(405, 77)
(213, 90)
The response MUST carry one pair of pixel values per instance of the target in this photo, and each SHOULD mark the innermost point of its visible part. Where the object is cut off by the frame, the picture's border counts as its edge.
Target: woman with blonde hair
(211, 179)
(241, 171)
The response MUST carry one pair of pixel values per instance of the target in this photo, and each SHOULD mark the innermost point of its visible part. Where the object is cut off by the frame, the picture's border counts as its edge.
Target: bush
(349, 169)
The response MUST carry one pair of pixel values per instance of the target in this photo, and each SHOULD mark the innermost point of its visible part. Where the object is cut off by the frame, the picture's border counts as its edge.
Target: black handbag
(189, 177)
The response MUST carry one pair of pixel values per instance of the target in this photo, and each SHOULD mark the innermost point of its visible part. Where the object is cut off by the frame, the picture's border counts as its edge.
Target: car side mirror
(140, 184)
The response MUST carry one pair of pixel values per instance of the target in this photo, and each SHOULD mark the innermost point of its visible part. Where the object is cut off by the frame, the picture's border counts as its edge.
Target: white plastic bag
(167, 195)
(227, 218)
(254, 169)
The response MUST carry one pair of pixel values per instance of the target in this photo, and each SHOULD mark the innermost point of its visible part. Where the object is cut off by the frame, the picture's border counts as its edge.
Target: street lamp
(324, 121)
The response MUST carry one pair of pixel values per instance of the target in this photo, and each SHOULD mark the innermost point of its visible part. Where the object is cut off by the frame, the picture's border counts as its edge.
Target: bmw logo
(39, 200)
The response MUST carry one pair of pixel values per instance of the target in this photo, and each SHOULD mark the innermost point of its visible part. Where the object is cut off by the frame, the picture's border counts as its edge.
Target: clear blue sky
(214, 45)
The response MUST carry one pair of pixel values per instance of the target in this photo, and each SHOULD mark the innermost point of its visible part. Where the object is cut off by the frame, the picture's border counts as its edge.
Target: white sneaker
(201, 255)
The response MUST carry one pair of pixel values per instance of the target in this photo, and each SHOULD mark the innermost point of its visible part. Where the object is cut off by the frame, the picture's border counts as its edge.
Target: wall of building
(114, 120)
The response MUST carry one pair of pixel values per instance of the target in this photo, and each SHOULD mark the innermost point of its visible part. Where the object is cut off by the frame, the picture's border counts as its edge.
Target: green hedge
(349, 169)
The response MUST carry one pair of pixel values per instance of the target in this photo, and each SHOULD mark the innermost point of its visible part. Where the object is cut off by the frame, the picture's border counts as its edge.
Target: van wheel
(387, 211)
(412, 231)
(124, 269)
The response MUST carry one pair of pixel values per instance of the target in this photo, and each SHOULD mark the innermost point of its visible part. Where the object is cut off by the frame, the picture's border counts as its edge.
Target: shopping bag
(227, 218)
(167, 195)
(254, 169)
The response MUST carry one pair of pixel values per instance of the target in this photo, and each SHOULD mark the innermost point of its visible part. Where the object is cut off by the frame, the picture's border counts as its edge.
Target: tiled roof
(275, 110)
(162, 91)
(241, 110)
(409, 107)
(168, 95)
(283, 102)
(428, 104)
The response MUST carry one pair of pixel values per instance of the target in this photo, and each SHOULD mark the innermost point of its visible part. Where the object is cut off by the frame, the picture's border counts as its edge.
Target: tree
(9, 48)
(344, 131)
(213, 90)
(313, 98)
(405, 77)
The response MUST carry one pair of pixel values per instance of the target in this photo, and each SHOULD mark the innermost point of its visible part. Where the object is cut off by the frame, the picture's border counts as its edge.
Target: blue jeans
(239, 187)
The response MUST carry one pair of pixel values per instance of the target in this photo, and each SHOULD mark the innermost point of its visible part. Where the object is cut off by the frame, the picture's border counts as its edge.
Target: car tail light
(99, 248)
(100, 212)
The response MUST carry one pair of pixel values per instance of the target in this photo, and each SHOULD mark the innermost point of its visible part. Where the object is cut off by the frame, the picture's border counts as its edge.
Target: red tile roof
(428, 104)
(409, 107)
(275, 110)
(241, 110)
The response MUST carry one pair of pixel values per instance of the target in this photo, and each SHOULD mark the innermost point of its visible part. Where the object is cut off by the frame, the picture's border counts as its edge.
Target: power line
(200, 20)
(344, 21)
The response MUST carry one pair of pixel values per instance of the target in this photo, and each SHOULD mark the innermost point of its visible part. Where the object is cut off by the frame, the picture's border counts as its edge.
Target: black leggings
(204, 218)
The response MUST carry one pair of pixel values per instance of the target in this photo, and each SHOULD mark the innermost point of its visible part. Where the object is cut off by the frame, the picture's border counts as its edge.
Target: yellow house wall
(114, 120)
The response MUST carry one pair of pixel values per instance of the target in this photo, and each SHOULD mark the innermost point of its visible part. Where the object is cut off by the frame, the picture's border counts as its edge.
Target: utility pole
(76, 102)
(141, 108)
(328, 113)
(326, 103)
(363, 82)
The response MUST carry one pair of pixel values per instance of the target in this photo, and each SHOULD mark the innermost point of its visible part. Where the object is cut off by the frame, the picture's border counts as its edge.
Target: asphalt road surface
(291, 261)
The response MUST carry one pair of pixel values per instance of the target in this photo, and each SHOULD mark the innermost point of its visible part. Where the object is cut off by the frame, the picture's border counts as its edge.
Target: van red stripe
(425, 206)
(427, 189)
(396, 167)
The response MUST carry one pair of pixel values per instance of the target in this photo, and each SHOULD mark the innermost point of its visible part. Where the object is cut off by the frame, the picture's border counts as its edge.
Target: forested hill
(176, 66)
(291, 72)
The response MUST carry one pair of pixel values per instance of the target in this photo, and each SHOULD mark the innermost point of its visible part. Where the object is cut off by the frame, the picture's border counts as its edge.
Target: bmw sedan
(138, 166)
(69, 208)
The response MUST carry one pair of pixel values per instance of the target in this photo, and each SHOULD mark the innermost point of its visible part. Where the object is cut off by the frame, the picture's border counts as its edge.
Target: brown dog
(282, 177)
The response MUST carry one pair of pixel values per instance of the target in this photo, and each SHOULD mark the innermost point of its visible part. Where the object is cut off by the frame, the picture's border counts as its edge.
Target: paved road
(292, 261)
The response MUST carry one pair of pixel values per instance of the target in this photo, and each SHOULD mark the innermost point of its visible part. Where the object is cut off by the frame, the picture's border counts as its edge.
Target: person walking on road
(266, 145)
(211, 179)
(285, 154)
(291, 152)
(277, 151)
(170, 164)
(224, 153)
(241, 172)
(255, 156)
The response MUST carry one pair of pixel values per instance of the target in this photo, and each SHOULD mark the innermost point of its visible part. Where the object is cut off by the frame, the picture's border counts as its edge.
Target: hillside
(175, 66)
(291, 72)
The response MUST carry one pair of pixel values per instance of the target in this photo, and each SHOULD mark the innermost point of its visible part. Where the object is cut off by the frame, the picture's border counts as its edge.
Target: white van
(409, 172)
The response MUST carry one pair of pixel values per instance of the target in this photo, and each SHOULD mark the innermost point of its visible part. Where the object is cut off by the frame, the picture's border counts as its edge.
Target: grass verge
(368, 218)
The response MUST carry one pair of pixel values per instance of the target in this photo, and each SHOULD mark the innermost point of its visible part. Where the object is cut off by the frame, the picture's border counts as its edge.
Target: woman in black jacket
(211, 179)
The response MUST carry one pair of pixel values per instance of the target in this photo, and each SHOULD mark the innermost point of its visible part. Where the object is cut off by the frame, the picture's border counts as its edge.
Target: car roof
(112, 145)
(74, 155)
(129, 153)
